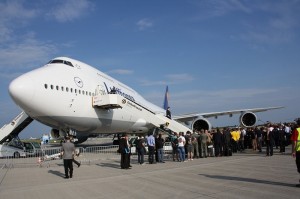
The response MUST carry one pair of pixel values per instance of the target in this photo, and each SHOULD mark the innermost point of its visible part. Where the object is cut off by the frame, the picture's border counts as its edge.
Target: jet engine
(248, 119)
(201, 123)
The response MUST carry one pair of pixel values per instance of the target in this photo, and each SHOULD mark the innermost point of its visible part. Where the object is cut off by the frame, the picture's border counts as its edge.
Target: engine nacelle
(81, 138)
(59, 134)
(55, 133)
(248, 119)
(201, 123)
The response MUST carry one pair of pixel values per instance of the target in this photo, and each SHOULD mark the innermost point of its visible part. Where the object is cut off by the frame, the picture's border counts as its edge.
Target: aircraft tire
(16, 155)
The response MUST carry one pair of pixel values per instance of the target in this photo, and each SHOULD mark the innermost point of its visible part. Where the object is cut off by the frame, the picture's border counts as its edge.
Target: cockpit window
(68, 63)
(59, 61)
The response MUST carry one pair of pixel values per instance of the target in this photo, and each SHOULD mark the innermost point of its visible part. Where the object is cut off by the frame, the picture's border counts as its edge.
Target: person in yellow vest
(296, 145)
(235, 134)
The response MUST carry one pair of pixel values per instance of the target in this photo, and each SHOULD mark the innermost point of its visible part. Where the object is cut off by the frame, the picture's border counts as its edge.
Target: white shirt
(181, 141)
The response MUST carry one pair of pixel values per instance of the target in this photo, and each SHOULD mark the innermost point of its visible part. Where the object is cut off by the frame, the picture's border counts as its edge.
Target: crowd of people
(201, 144)
(204, 143)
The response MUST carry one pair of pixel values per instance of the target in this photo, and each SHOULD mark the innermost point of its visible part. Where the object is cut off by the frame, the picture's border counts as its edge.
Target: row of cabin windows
(67, 89)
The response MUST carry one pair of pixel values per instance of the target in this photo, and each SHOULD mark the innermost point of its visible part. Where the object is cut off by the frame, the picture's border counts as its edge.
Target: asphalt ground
(243, 175)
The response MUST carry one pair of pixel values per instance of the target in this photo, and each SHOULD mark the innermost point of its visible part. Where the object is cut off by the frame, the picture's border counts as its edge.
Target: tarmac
(243, 175)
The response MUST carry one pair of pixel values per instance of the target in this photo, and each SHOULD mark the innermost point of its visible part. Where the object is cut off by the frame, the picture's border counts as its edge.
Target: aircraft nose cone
(21, 90)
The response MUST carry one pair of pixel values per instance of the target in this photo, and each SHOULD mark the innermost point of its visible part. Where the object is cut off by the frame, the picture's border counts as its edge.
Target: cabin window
(62, 88)
(51, 87)
(71, 89)
(57, 87)
(67, 89)
(46, 86)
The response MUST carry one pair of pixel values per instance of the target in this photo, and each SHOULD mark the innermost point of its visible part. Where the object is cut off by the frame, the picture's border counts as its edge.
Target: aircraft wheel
(16, 155)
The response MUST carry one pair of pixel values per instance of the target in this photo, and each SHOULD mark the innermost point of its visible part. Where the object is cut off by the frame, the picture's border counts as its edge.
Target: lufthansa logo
(78, 82)
(123, 101)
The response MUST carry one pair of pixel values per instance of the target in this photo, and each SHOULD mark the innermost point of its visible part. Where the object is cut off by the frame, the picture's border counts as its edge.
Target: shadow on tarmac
(251, 180)
(111, 165)
(58, 173)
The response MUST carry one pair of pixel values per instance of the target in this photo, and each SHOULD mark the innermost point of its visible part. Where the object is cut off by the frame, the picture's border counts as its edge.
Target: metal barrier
(48, 157)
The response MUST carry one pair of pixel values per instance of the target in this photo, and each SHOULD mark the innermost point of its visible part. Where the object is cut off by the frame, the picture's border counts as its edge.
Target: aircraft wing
(191, 116)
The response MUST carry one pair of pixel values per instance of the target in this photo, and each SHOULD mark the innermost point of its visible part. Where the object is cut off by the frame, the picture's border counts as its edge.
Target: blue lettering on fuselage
(115, 90)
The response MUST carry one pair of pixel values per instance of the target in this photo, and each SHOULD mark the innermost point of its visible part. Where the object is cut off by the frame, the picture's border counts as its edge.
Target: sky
(215, 55)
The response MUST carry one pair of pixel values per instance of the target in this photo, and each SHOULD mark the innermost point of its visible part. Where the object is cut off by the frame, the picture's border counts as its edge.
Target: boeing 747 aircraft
(74, 98)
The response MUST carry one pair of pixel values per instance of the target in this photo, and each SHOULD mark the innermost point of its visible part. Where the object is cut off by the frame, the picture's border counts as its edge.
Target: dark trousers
(125, 160)
(269, 144)
(218, 149)
(241, 144)
(141, 153)
(151, 154)
(282, 146)
(298, 161)
(175, 153)
(259, 144)
(196, 150)
(76, 162)
(68, 165)
(235, 146)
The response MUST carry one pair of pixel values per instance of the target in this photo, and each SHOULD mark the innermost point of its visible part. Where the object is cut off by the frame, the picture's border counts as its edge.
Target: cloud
(215, 8)
(120, 72)
(25, 53)
(262, 22)
(153, 83)
(179, 77)
(170, 79)
(13, 15)
(221, 8)
(70, 10)
(220, 100)
(15, 10)
(144, 24)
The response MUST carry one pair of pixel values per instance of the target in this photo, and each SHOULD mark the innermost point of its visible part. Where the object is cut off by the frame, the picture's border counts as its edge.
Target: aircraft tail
(166, 100)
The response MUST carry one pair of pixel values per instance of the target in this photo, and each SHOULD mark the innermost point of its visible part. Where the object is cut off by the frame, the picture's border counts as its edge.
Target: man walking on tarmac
(296, 146)
(68, 152)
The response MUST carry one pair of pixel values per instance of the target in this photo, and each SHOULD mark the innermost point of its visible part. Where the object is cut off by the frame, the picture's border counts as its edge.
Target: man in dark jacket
(227, 142)
(124, 149)
(269, 138)
(159, 143)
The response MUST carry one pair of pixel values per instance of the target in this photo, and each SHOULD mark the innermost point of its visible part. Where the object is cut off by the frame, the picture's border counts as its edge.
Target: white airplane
(74, 98)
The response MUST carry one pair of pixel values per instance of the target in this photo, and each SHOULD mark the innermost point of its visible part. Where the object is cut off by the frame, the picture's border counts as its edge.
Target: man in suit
(124, 149)
(68, 152)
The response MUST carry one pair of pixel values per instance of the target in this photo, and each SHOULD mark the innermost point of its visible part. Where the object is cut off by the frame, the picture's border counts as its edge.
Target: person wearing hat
(296, 145)
(68, 152)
